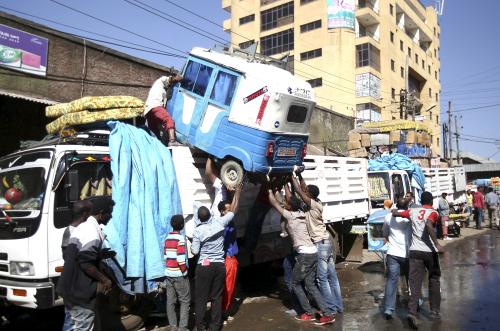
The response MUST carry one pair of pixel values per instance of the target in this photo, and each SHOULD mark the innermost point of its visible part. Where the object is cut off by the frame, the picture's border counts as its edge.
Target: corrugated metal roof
(25, 96)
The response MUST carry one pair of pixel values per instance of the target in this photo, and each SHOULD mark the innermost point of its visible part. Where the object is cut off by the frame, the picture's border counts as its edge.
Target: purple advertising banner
(23, 51)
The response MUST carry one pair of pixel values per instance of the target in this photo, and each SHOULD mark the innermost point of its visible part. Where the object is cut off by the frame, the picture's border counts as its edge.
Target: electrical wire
(116, 26)
(153, 50)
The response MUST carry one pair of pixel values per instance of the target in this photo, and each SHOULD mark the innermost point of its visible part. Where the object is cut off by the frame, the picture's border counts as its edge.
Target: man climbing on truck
(157, 117)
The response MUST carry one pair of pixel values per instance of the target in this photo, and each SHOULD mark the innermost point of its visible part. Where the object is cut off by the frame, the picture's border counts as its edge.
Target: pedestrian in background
(478, 204)
(444, 215)
(397, 231)
(469, 208)
(210, 274)
(424, 250)
(328, 280)
(491, 200)
(177, 282)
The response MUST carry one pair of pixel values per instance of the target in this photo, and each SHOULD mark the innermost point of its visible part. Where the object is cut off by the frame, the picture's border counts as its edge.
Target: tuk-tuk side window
(296, 114)
(224, 87)
(196, 77)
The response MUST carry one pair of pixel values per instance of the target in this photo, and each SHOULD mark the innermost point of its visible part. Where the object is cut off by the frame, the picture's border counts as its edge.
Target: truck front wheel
(231, 173)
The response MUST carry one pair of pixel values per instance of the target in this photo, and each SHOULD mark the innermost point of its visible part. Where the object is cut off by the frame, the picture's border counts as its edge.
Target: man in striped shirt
(177, 281)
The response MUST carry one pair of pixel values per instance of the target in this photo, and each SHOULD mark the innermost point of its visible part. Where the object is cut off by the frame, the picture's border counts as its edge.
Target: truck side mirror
(72, 185)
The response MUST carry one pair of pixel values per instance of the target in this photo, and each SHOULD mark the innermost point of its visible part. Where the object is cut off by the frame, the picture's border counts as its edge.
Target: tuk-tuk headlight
(22, 268)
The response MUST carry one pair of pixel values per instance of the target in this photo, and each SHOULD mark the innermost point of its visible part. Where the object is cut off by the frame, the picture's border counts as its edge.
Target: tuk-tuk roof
(277, 77)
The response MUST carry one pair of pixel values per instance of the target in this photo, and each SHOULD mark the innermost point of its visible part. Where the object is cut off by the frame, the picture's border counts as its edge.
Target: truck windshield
(378, 188)
(22, 189)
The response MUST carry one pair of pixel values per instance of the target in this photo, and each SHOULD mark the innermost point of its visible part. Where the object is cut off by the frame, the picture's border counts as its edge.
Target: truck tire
(231, 173)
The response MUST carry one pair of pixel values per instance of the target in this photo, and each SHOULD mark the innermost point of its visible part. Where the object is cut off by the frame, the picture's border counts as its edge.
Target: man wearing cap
(157, 117)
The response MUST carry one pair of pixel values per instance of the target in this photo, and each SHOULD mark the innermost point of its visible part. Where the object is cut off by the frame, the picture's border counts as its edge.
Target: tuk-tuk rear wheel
(231, 173)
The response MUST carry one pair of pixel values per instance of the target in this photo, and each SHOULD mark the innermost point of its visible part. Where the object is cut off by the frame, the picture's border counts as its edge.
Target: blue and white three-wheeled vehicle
(252, 117)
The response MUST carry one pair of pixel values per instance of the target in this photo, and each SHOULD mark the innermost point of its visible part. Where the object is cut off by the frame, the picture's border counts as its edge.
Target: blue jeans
(395, 265)
(81, 319)
(288, 264)
(328, 280)
(478, 216)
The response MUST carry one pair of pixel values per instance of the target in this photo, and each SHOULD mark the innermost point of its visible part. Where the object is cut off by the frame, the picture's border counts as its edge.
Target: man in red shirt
(478, 204)
(423, 256)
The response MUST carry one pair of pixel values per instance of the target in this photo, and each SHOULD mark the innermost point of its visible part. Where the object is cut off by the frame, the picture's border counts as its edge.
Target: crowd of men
(484, 200)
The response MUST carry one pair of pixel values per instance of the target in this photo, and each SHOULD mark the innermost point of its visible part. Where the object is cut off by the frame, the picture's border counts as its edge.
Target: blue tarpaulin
(396, 161)
(146, 196)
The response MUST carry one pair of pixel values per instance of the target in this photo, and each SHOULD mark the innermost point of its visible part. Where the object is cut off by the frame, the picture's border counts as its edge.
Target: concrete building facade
(386, 68)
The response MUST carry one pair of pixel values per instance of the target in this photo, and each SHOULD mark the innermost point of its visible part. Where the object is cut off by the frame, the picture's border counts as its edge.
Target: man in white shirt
(157, 117)
(397, 231)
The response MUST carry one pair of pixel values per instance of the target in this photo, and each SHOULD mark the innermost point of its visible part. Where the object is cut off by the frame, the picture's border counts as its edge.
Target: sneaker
(291, 312)
(412, 322)
(447, 238)
(304, 317)
(388, 314)
(325, 319)
(435, 315)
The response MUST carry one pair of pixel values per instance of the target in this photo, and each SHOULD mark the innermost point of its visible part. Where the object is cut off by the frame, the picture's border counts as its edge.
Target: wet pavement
(469, 283)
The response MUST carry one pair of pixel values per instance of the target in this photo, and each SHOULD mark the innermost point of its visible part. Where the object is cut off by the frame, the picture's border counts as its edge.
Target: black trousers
(419, 263)
(209, 285)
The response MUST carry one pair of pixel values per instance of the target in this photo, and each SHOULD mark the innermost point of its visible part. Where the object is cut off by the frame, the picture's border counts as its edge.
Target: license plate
(286, 151)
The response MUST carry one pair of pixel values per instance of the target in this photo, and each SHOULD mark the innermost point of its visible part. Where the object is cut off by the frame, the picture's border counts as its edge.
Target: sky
(470, 46)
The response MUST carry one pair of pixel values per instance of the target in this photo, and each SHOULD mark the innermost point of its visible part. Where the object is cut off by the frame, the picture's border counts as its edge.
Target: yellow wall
(337, 65)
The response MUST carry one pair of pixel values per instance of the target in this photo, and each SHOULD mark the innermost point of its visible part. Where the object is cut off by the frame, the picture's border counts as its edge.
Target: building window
(316, 82)
(430, 92)
(367, 85)
(409, 52)
(435, 53)
(277, 16)
(392, 65)
(246, 44)
(368, 112)
(391, 9)
(402, 72)
(423, 64)
(437, 139)
(437, 97)
(310, 26)
(393, 93)
(434, 31)
(435, 75)
(392, 37)
(196, 77)
(303, 2)
(429, 69)
(367, 55)
(401, 46)
(247, 19)
(416, 59)
(277, 43)
(310, 54)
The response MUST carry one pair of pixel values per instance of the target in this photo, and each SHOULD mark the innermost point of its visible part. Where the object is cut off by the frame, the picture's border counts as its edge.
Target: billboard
(368, 85)
(23, 51)
(341, 14)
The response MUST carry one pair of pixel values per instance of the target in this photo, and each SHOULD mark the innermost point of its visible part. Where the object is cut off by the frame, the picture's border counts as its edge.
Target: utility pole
(444, 131)
(402, 103)
(457, 136)
(450, 157)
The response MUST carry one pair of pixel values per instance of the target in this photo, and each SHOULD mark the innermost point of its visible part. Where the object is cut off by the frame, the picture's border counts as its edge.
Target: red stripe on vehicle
(262, 109)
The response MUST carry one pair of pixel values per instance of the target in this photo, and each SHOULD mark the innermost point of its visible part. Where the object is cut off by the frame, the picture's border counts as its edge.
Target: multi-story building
(386, 66)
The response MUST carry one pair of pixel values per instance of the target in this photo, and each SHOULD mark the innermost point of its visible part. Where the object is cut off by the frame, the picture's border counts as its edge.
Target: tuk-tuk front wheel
(231, 173)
